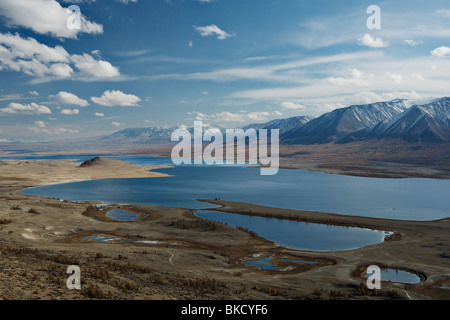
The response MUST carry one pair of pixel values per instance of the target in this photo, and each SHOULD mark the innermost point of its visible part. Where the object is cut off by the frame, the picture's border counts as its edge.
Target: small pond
(266, 263)
(300, 235)
(400, 276)
(122, 215)
(101, 238)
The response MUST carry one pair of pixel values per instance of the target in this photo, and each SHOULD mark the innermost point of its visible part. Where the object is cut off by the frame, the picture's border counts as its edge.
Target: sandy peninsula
(168, 253)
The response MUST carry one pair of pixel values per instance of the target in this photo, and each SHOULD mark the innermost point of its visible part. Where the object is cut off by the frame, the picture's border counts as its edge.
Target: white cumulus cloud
(26, 109)
(116, 98)
(212, 30)
(97, 68)
(292, 105)
(441, 52)
(70, 112)
(38, 60)
(45, 17)
(40, 124)
(371, 42)
(69, 98)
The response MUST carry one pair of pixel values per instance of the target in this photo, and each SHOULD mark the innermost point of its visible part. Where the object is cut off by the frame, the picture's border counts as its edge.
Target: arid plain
(169, 253)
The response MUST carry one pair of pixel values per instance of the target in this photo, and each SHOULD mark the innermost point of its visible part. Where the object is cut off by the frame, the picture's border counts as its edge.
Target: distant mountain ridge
(429, 123)
(143, 135)
(284, 125)
(394, 122)
(337, 124)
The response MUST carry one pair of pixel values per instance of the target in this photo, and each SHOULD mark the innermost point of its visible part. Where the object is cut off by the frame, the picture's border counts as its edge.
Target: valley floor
(168, 253)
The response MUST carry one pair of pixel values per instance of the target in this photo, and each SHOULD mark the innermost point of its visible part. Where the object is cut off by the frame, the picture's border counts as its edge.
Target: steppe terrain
(169, 253)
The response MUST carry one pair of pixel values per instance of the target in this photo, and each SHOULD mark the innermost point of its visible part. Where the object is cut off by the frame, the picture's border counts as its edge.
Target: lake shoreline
(317, 217)
(337, 166)
(373, 169)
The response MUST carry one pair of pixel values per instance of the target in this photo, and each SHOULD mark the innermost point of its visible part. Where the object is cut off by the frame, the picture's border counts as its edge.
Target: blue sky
(226, 62)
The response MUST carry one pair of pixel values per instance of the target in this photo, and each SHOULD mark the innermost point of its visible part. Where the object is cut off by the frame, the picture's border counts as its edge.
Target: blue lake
(299, 235)
(404, 199)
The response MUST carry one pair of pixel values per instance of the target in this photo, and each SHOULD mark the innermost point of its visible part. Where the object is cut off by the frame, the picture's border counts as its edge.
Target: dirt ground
(168, 253)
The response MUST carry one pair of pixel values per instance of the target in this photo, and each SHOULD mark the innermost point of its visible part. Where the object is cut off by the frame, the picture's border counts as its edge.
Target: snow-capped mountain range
(337, 124)
(284, 125)
(144, 135)
(406, 121)
(396, 119)
(420, 123)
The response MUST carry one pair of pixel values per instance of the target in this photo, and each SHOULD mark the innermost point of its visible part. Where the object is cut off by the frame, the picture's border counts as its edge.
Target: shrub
(5, 221)
(93, 292)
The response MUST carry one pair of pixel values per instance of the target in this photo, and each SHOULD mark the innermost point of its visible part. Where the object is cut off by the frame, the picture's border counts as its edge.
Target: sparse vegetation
(127, 268)
(130, 270)
(66, 260)
(5, 221)
(362, 290)
(94, 212)
(99, 255)
(270, 291)
(203, 225)
(250, 232)
(99, 273)
(126, 286)
(200, 285)
(94, 292)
